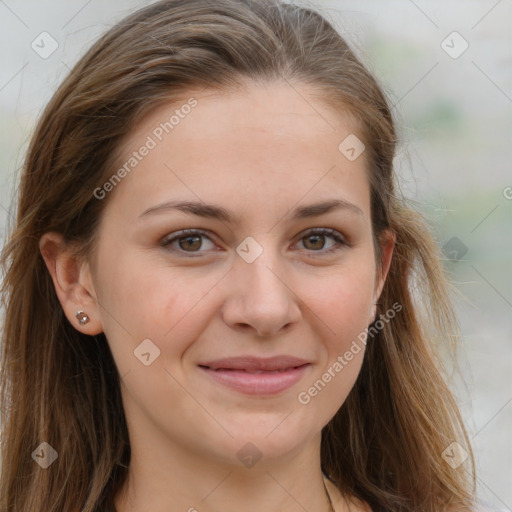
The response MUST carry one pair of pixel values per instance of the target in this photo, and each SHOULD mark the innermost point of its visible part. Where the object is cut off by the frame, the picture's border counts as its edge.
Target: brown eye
(188, 241)
(314, 242)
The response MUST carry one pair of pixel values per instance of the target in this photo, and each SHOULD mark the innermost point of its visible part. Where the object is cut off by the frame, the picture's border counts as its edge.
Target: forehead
(280, 110)
(219, 143)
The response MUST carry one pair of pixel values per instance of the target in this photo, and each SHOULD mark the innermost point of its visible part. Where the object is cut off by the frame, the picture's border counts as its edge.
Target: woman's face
(220, 334)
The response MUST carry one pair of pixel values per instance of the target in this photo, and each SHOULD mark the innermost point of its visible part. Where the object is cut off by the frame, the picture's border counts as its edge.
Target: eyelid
(168, 239)
(340, 240)
(322, 231)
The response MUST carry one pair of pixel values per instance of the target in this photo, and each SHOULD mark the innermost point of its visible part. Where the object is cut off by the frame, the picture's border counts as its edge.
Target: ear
(72, 281)
(387, 244)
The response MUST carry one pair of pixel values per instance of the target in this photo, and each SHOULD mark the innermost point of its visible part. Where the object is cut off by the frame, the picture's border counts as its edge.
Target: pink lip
(257, 376)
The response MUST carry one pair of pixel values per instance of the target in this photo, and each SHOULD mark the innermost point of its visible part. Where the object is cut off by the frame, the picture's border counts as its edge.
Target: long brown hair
(385, 445)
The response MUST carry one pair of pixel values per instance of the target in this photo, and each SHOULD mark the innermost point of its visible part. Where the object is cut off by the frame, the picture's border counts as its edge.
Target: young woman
(215, 298)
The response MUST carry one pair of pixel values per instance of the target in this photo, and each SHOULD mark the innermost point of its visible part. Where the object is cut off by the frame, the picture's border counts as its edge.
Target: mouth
(256, 376)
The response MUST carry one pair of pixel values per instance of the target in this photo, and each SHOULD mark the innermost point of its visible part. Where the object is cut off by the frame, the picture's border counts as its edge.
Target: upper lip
(251, 363)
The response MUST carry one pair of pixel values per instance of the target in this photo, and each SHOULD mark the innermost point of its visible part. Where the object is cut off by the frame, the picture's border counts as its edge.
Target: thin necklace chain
(328, 497)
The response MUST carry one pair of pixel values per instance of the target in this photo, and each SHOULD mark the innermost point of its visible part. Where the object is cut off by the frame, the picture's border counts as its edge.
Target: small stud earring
(82, 317)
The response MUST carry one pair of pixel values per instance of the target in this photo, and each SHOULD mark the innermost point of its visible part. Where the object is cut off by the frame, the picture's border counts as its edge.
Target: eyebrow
(218, 212)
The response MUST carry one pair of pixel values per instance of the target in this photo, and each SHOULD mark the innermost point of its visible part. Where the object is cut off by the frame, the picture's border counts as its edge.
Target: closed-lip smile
(256, 375)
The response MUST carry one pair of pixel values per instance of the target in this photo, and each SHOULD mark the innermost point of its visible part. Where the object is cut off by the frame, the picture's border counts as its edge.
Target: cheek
(342, 306)
(343, 300)
(141, 298)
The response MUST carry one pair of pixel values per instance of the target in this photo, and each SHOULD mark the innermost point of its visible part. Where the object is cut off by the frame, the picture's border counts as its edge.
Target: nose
(261, 298)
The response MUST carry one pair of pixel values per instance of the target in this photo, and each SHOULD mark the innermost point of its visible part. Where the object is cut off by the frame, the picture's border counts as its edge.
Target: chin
(266, 443)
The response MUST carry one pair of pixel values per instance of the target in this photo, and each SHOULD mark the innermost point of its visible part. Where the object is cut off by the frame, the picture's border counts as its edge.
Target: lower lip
(257, 383)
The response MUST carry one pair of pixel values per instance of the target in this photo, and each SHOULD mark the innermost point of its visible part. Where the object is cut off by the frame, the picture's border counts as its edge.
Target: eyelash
(340, 241)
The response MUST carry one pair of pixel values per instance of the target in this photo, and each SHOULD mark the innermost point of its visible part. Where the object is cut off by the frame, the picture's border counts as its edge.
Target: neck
(331, 506)
(192, 485)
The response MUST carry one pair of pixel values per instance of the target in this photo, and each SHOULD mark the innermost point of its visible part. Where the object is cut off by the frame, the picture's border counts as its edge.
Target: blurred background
(446, 66)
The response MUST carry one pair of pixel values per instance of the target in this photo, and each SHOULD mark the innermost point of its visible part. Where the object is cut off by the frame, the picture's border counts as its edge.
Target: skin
(260, 153)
